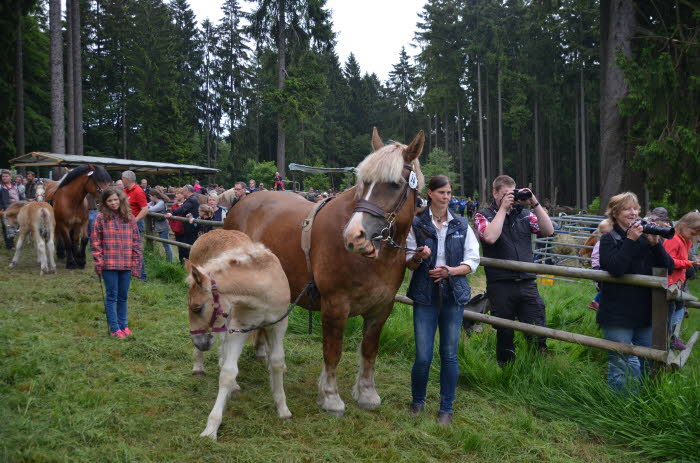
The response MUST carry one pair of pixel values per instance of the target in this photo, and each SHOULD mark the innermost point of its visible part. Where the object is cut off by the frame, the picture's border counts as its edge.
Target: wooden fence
(658, 283)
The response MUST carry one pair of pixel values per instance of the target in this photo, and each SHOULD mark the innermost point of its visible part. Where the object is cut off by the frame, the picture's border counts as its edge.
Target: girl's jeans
(625, 371)
(426, 319)
(116, 294)
(675, 314)
(168, 253)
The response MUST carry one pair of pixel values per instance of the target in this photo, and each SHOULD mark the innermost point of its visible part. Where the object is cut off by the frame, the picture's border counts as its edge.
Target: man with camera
(504, 229)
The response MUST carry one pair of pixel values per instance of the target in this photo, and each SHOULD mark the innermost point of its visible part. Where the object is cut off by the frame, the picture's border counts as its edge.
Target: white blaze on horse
(35, 219)
(235, 285)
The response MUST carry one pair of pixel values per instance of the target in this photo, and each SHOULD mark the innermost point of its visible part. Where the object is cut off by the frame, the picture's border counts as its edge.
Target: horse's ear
(91, 170)
(377, 142)
(415, 148)
(195, 272)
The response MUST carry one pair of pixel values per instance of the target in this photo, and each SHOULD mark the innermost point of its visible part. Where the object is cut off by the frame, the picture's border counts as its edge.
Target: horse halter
(217, 310)
(375, 210)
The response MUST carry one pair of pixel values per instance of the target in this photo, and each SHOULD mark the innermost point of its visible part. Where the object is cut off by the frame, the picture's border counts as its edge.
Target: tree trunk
(500, 124)
(584, 160)
(70, 100)
(617, 27)
(537, 150)
(447, 133)
(58, 124)
(487, 115)
(551, 164)
(577, 169)
(460, 150)
(124, 131)
(482, 163)
(19, 92)
(281, 57)
(77, 77)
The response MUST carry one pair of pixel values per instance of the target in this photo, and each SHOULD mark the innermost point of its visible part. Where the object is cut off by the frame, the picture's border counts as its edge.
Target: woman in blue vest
(447, 250)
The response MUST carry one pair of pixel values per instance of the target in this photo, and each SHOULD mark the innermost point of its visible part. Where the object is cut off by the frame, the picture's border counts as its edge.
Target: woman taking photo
(624, 314)
(116, 245)
(447, 250)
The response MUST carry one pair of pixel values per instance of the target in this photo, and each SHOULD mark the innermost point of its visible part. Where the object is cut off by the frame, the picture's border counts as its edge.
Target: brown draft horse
(360, 282)
(70, 209)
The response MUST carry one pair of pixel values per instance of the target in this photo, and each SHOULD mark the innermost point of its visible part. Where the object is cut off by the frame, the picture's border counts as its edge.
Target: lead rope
(265, 325)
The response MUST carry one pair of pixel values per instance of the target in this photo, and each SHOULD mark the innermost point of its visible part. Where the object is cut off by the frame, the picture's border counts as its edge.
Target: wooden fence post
(659, 318)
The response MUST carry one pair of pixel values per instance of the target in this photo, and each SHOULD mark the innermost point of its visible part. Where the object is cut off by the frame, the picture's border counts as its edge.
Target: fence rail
(659, 352)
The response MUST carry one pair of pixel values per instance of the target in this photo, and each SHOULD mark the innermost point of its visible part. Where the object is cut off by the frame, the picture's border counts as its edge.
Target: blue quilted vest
(421, 287)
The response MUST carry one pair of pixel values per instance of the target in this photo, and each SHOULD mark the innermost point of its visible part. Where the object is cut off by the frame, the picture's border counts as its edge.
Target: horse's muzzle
(203, 341)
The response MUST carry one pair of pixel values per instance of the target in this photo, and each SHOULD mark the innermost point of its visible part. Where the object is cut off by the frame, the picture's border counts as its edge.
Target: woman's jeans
(426, 319)
(165, 234)
(625, 371)
(116, 294)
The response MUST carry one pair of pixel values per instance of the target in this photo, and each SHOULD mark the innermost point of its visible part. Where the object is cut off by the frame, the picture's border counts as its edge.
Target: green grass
(71, 393)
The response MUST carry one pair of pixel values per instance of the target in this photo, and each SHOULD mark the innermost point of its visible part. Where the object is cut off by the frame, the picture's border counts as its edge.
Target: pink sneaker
(127, 332)
(594, 306)
(119, 333)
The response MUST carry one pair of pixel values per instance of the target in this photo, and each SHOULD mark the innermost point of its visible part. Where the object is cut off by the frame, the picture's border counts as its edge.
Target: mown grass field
(71, 393)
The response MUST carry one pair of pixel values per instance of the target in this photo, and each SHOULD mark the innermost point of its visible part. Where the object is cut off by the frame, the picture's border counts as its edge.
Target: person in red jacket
(678, 247)
(116, 250)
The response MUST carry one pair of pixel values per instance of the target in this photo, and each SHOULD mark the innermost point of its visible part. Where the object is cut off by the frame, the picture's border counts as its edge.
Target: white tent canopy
(37, 159)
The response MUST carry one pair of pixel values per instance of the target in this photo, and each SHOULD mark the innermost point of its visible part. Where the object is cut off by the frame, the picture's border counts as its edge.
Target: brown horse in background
(360, 282)
(70, 209)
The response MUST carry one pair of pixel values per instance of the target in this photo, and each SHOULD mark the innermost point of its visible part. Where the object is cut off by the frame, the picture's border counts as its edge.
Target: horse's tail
(45, 223)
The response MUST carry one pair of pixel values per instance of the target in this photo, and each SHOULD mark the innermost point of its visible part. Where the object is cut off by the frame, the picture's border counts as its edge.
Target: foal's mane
(99, 172)
(385, 166)
(239, 256)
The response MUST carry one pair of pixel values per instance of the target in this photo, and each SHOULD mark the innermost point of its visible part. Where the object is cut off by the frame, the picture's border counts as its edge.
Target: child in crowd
(678, 247)
(603, 227)
(178, 227)
(205, 213)
(116, 249)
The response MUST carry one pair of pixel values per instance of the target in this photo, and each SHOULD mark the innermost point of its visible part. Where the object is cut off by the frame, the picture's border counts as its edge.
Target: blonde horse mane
(385, 165)
(239, 256)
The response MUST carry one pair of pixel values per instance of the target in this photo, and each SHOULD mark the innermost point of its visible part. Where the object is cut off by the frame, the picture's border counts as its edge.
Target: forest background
(580, 98)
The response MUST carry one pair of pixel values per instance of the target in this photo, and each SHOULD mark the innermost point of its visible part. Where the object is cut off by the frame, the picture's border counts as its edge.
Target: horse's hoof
(336, 413)
(199, 373)
(209, 434)
(368, 405)
(13, 264)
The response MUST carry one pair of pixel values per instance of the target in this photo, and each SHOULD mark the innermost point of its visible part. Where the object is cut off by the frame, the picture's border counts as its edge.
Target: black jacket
(4, 199)
(190, 206)
(625, 305)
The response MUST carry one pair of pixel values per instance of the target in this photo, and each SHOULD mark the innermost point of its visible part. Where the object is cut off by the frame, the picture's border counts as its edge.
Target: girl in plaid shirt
(116, 252)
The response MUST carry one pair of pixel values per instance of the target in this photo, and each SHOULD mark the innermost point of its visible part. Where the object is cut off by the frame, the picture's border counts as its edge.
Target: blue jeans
(675, 315)
(91, 222)
(426, 320)
(116, 294)
(165, 234)
(142, 226)
(625, 371)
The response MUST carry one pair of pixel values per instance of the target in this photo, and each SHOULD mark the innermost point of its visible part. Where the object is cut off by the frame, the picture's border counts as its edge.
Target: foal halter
(375, 210)
(214, 313)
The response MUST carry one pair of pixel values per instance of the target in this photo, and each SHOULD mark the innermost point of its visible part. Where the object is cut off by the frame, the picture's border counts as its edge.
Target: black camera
(651, 229)
(522, 194)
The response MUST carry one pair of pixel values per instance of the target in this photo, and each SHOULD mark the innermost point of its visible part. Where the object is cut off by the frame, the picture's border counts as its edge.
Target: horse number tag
(413, 180)
(90, 173)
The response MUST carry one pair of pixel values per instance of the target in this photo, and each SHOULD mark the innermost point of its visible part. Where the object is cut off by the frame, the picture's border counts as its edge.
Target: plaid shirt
(116, 245)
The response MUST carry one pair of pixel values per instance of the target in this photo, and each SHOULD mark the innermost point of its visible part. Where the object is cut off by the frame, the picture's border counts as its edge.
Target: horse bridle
(215, 312)
(373, 209)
